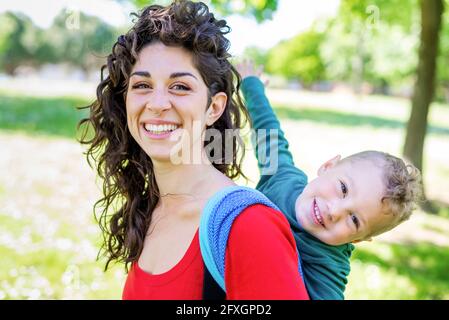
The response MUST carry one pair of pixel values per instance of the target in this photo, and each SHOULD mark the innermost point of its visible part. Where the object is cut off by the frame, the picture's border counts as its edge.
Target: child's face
(343, 204)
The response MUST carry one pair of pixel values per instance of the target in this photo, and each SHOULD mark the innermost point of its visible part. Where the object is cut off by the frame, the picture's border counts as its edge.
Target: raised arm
(274, 158)
(265, 121)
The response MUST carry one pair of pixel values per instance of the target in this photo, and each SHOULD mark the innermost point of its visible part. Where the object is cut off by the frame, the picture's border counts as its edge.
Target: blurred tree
(298, 58)
(260, 9)
(85, 45)
(380, 37)
(13, 49)
(22, 43)
(351, 51)
(431, 14)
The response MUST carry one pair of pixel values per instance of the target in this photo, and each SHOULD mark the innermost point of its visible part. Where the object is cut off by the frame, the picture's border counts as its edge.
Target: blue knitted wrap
(216, 222)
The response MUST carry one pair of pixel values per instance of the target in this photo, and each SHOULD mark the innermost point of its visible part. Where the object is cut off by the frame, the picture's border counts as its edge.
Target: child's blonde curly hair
(403, 186)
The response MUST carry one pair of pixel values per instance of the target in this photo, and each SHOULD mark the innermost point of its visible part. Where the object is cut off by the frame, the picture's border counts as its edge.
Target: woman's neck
(200, 181)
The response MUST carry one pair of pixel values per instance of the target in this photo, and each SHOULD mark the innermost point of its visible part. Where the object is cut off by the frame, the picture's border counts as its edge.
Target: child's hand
(246, 68)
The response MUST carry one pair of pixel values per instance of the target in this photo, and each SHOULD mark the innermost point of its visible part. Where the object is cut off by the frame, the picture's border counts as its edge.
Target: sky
(291, 18)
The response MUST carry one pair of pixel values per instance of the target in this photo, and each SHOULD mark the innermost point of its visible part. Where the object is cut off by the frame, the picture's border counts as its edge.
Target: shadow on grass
(50, 116)
(425, 264)
(346, 119)
(59, 116)
(439, 208)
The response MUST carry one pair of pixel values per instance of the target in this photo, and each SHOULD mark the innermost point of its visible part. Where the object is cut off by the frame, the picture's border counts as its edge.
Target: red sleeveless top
(261, 263)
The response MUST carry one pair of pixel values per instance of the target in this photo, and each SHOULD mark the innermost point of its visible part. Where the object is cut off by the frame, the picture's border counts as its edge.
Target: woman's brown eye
(140, 86)
(180, 87)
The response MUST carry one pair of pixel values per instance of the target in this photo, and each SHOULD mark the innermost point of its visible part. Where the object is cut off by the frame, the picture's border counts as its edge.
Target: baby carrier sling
(215, 225)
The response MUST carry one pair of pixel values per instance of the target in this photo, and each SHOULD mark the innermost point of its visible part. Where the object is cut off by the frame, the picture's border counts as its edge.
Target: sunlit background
(343, 76)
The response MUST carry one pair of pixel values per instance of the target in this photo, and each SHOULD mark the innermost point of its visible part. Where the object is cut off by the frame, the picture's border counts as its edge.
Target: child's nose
(335, 213)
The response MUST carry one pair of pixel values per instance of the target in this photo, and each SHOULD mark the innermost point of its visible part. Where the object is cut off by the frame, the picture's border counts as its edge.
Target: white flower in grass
(373, 277)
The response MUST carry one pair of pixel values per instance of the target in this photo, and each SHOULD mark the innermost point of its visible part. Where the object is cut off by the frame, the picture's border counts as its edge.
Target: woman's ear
(329, 164)
(216, 108)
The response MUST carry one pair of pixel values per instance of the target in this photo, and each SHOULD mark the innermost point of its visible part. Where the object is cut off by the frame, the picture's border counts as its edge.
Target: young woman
(169, 80)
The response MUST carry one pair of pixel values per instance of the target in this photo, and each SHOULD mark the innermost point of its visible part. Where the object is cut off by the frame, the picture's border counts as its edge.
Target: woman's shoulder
(262, 214)
(261, 257)
(261, 218)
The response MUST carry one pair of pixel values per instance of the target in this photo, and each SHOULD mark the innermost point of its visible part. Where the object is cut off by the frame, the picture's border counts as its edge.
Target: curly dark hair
(130, 191)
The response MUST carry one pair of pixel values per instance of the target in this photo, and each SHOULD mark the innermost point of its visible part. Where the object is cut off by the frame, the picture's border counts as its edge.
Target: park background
(344, 76)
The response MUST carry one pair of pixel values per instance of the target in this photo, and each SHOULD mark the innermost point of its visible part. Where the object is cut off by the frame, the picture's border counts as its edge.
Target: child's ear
(329, 164)
(216, 108)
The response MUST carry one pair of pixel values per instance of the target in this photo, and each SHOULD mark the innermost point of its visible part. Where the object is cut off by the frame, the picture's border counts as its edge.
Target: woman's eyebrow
(141, 73)
(173, 75)
(182, 74)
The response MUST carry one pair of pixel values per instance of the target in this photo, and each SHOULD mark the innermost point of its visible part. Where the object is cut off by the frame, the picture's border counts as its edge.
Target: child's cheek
(323, 188)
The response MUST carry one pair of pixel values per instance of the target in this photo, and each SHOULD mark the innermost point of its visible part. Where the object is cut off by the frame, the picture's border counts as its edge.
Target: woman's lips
(158, 135)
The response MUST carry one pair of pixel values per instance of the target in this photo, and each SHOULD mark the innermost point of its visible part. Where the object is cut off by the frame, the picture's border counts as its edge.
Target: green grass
(39, 263)
(400, 271)
(46, 271)
(41, 115)
(345, 119)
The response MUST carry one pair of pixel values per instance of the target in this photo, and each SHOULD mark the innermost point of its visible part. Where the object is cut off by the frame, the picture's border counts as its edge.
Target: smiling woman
(169, 101)
(168, 81)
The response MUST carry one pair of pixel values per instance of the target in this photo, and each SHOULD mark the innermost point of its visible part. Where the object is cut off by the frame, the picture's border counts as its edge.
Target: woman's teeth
(160, 128)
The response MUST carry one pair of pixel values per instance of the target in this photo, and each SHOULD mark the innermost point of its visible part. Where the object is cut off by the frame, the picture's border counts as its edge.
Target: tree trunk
(431, 14)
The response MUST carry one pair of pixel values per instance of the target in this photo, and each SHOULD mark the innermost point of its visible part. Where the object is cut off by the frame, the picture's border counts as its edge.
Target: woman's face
(166, 101)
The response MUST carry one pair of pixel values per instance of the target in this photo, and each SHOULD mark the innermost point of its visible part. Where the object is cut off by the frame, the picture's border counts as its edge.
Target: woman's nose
(158, 102)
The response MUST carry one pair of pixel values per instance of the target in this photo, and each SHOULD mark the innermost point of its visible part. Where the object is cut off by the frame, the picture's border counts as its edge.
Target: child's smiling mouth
(316, 214)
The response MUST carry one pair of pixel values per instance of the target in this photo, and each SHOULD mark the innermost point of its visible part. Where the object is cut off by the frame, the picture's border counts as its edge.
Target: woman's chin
(158, 155)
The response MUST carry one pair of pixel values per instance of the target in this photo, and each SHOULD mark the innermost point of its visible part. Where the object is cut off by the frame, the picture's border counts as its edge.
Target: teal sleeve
(325, 267)
(263, 120)
(280, 180)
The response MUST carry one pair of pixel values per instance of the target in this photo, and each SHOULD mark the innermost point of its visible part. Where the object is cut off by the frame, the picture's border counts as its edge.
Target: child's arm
(275, 177)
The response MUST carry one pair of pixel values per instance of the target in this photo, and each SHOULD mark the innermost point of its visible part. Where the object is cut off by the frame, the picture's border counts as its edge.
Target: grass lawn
(49, 239)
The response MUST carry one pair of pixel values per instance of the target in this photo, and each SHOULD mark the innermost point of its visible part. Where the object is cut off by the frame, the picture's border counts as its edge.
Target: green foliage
(16, 41)
(84, 45)
(367, 41)
(393, 12)
(442, 89)
(382, 54)
(260, 9)
(258, 55)
(298, 58)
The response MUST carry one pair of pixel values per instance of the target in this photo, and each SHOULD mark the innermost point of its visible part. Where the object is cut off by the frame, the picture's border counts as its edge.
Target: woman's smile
(159, 129)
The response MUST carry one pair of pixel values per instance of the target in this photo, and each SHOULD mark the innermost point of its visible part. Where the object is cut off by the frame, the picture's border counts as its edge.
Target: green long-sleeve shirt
(325, 267)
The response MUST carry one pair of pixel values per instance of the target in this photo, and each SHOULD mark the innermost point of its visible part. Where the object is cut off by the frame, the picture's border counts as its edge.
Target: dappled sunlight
(48, 236)
(399, 271)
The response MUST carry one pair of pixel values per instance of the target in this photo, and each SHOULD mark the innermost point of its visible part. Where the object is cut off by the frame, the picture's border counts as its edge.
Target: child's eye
(355, 220)
(344, 189)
